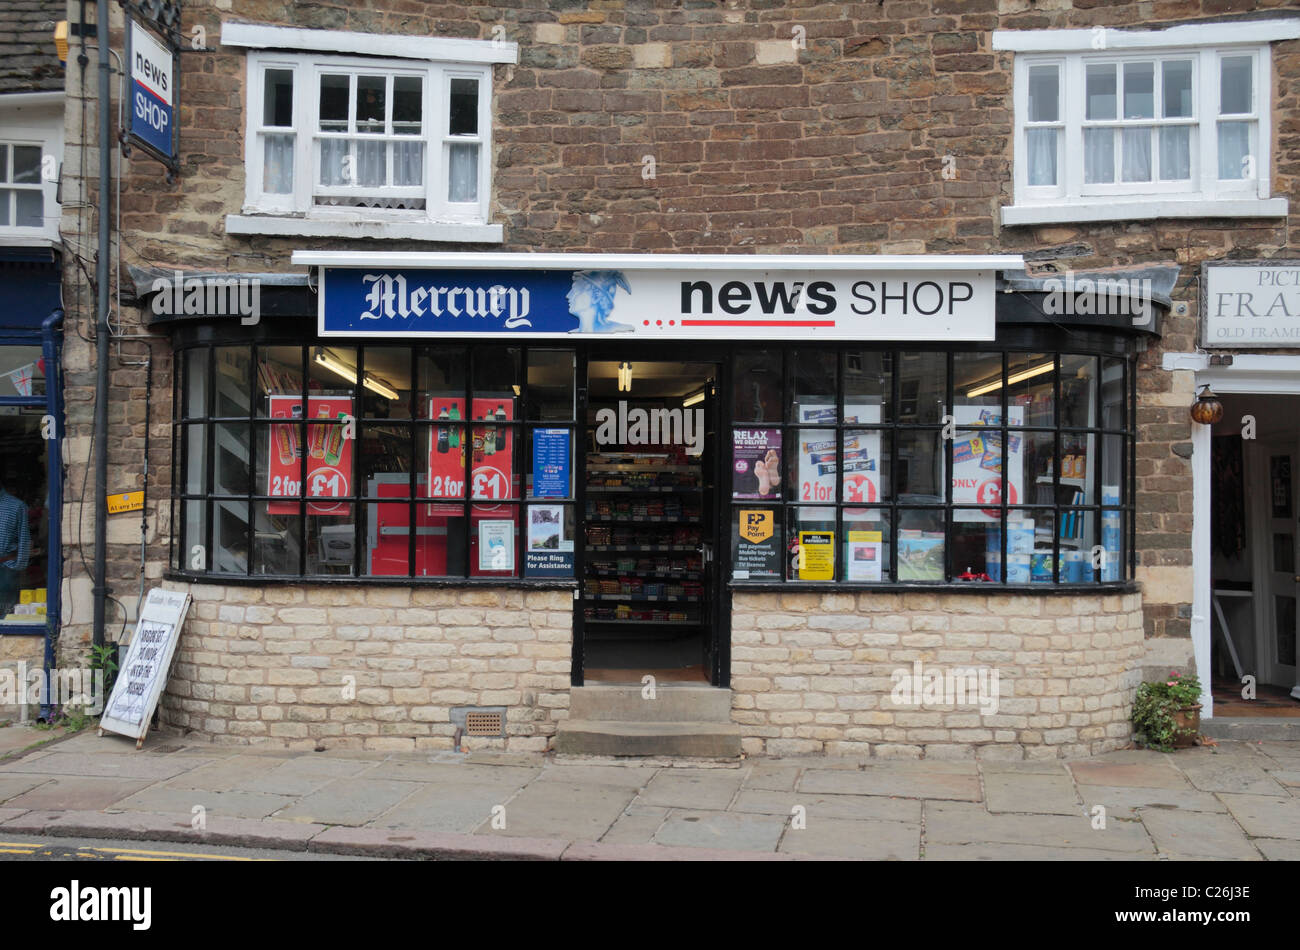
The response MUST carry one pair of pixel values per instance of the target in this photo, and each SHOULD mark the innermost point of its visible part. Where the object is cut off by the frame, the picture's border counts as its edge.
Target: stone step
(671, 703)
(1251, 727)
(714, 740)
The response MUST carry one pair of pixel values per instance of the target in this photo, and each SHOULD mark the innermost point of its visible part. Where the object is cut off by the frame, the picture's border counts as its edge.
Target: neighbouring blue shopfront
(31, 423)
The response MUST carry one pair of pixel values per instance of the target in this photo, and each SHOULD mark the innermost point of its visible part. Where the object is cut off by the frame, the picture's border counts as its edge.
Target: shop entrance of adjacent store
(651, 602)
(1255, 575)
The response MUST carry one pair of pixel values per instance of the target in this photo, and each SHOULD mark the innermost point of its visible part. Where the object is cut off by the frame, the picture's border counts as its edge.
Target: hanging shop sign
(1251, 304)
(656, 297)
(329, 455)
(151, 116)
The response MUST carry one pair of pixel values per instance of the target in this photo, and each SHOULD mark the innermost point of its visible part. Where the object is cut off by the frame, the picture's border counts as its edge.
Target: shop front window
(335, 460)
(973, 467)
(24, 515)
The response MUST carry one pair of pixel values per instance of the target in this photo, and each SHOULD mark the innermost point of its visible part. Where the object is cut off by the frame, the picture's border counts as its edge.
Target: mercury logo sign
(651, 427)
(73, 903)
(389, 297)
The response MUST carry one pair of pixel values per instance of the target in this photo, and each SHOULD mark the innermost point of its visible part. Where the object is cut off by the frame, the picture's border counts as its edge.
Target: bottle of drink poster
(282, 443)
(454, 437)
(316, 439)
(489, 436)
(442, 433)
(501, 432)
(334, 440)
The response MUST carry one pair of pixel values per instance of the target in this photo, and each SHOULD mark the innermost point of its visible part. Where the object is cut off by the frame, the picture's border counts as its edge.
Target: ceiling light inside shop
(372, 383)
(1014, 378)
(625, 377)
(692, 399)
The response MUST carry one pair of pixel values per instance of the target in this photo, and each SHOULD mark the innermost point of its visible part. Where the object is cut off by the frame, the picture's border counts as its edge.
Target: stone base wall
(369, 668)
(19, 656)
(816, 673)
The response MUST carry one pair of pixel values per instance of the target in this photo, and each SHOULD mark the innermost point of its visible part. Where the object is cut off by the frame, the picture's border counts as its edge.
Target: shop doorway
(1254, 572)
(650, 596)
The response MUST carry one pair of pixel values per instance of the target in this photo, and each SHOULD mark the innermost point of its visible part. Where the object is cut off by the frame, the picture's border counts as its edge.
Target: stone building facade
(645, 127)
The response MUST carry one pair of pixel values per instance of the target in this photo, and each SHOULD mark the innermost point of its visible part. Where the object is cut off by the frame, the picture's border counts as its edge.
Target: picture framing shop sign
(151, 119)
(656, 296)
(1251, 304)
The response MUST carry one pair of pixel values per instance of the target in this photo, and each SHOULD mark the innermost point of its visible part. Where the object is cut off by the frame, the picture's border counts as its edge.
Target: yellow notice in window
(816, 560)
(130, 501)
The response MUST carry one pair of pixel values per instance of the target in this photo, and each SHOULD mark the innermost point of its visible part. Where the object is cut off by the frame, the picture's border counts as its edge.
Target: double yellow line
(122, 854)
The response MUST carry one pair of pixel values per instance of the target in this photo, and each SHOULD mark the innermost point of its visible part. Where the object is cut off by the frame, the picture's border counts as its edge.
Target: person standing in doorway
(15, 547)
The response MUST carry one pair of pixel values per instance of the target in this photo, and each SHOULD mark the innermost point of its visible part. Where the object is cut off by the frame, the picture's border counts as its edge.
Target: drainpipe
(54, 490)
(101, 319)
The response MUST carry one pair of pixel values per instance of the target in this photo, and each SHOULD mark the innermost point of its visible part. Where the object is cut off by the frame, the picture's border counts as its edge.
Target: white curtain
(1042, 156)
(332, 154)
(408, 164)
(1176, 153)
(1234, 147)
(372, 158)
(1137, 154)
(1098, 156)
(277, 164)
(462, 173)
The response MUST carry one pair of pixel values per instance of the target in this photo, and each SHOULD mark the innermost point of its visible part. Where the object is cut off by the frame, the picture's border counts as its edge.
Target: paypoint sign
(153, 91)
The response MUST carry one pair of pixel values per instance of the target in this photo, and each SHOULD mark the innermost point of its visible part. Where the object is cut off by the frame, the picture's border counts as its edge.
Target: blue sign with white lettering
(153, 81)
(550, 463)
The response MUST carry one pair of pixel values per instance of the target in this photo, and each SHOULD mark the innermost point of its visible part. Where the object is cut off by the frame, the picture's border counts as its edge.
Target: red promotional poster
(329, 455)
(491, 448)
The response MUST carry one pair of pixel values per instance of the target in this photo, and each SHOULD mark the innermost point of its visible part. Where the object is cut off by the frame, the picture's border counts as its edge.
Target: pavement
(1235, 801)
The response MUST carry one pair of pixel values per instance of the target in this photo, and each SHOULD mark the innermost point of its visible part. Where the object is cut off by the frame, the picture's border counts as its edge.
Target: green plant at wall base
(104, 658)
(1156, 707)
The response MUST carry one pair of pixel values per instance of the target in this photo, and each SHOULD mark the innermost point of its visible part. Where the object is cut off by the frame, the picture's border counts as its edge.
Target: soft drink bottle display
(501, 432)
(442, 433)
(455, 432)
(489, 436)
(282, 443)
(316, 442)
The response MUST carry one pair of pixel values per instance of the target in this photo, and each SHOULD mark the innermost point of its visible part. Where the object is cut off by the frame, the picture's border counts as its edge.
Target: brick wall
(339, 667)
(813, 673)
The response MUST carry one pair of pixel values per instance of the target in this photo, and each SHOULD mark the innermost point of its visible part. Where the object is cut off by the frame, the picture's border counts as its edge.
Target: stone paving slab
(153, 767)
(564, 809)
(456, 807)
(1198, 835)
(856, 840)
(348, 801)
(182, 801)
(1275, 849)
(1232, 777)
(637, 825)
(1031, 793)
(1145, 773)
(619, 776)
(228, 774)
(772, 776)
(76, 793)
(1265, 816)
(888, 781)
(730, 831)
(1015, 767)
(17, 737)
(11, 786)
(692, 788)
(863, 807)
(303, 776)
(584, 851)
(962, 823)
(1123, 803)
(991, 851)
(455, 770)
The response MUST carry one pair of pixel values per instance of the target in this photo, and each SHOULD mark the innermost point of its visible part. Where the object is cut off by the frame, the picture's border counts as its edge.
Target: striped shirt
(15, 536)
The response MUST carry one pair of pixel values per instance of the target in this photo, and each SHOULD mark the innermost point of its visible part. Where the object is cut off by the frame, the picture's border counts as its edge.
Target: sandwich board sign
(143, 673)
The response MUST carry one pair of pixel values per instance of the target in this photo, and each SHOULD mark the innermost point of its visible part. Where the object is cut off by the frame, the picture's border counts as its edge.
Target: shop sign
(550, 550)
(980, 467)
(151, 112)
(645, 303)
(143, 673)
(757, 556)
(1251, 304)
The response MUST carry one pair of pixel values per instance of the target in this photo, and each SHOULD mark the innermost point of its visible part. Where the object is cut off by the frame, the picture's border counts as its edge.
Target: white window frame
(309, 54)
(307, 72)
(36, 120)
(1205, 195)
